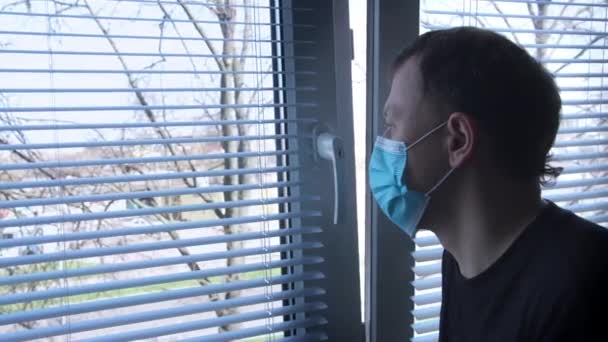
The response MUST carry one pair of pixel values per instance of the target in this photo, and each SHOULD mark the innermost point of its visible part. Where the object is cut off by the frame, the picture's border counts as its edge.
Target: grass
(73, 264)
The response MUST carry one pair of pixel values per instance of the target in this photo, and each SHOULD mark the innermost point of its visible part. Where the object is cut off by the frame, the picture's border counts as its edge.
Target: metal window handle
(330, 147)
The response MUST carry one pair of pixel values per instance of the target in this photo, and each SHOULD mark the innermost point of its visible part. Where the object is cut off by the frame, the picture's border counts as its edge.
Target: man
(470, 120)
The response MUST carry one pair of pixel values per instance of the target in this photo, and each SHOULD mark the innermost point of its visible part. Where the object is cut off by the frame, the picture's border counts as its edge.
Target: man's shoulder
(574, 232)
(573, 247)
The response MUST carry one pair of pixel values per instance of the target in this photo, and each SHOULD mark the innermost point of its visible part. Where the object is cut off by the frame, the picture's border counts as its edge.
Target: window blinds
(148, 187)
(569, 38)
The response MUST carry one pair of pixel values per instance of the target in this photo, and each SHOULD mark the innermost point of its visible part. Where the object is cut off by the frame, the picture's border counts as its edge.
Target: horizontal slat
(526, 31)
(157, 19)
(512, 16)
(578, 156)
(427, 298)
(601, 218)
(41, 220)
(112, 125)
(578, 183)
(149, 54)
(146, 316)
(164, 37)
(239, 334)
(150, 107)
(150, 229)
(426, 326)
(545, 2)
(585, 168)
(580, 142)
(428, 254)
(427, 283)
(153, 71)
(580, 74)
(582, 88)
(584, 102)
(564, 46)
(578, 116)
(157, 90)
(576, 196)
(144, 160)
(427, 270)
(578, 208)
(209, 323)
(208, 3)
(143, 142)
(165, 295)
(116, 196)
(138, 178)
(427, 312)
(431, 337)
(144, 281)
(158, 262)
(573, 61)
(585, 129)
(427, 241)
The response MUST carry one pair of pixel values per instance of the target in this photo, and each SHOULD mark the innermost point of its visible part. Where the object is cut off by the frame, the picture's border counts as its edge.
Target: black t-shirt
(550, 285)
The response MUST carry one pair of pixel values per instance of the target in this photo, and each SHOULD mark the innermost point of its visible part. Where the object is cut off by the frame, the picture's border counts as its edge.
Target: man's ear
(462, 138)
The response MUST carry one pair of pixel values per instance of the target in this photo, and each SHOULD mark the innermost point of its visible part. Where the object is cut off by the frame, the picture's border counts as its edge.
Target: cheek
(403, 132)
(425, 165)
(414, 175)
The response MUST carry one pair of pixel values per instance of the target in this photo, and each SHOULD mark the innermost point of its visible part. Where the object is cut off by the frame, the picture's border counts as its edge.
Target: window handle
(330, 147)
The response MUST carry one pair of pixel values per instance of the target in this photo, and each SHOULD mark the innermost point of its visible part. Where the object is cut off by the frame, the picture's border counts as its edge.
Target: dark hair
(512, 96)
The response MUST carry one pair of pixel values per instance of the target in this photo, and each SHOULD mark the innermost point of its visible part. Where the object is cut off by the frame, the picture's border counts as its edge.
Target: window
(160, 168)
(569, 38)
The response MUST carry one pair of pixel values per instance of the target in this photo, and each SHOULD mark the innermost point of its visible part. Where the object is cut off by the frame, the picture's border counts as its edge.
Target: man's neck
(484, 228)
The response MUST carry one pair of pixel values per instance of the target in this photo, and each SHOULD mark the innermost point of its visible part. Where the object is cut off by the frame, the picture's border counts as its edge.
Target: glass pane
(182, 80)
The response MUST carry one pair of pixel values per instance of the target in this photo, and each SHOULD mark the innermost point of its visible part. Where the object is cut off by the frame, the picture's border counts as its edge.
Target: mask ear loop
(440, 181)
(385, 131)
(448, 173)
(426, 135)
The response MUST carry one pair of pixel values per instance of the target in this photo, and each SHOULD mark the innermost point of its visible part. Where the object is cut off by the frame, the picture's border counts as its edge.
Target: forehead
(406, 87)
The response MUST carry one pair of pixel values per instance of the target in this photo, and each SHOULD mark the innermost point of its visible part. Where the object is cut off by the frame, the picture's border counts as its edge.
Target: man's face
(407, 118)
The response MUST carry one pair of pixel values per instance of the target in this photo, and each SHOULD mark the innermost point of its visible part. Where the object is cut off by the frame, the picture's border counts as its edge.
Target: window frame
(391, 24)
(333, 96)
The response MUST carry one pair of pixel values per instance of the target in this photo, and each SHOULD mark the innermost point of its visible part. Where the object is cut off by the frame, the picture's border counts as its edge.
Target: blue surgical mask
(403, 206)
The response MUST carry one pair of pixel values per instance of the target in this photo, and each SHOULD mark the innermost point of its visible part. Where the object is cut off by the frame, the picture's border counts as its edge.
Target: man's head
(501, 107)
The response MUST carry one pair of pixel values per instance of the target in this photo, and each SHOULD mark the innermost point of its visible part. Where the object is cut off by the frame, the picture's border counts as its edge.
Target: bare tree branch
(582, 51)
(221, 66)
(184, 45)
(247, 36)
(27, 3)
(563, 11)
(173, 234)
(163, 133)
(506, 21)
